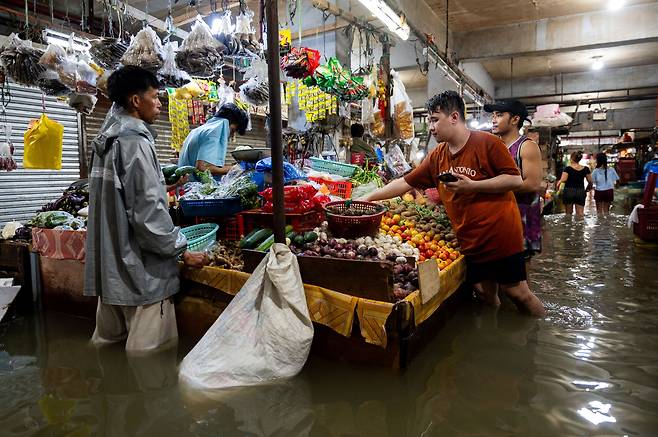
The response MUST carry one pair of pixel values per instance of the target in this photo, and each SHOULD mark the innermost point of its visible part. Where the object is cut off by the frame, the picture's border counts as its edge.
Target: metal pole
(273, 75)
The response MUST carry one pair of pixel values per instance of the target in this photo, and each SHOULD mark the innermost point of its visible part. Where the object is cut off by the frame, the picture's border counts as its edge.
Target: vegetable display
(226, 255)
(426, 228)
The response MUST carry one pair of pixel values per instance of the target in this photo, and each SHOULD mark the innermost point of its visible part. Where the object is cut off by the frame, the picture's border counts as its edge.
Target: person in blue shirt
(604, 184)
(205, 147)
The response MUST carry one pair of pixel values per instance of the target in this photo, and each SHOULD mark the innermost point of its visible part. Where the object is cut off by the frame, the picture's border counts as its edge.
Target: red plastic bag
(292, 193)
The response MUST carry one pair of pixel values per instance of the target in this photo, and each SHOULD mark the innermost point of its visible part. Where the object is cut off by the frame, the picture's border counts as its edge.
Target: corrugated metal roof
(23, 192)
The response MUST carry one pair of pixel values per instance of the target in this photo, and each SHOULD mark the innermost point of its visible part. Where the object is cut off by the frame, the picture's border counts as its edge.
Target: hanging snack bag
(107, 52)
(101, 83)
(200, 54)
(7, 162)
(83, 103)
(50, 84)
(255, 91)
(53, 57)
(401, 109)
(20, 61)
(170, 75)
(300, 62)
(85, 77)
(145, 51)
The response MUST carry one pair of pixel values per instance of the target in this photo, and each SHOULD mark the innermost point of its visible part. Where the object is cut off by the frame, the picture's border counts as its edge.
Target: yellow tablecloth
(336, 310)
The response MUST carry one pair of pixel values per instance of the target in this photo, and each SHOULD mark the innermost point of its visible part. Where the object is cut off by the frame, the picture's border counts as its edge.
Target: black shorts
(509, 270)
(574, 196)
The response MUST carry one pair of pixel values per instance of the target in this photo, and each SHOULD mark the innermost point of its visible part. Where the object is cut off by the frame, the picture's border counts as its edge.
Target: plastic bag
(107, 52)
(43, 144)
(101, 83)
(50, 84)
(85, 78)
(402, 110)
(53, 57)
(290, 172)
(255, 91)
(263, 335)
(396, 162)
(200, 54)
(225, 94)
(21, 61)
(145, 51)
(169, 74)
(83, 103)
(364, 190)
(378, 128)
(225, 24)
(7, 162)
(367, 112)
(243, 22)
(300, 62)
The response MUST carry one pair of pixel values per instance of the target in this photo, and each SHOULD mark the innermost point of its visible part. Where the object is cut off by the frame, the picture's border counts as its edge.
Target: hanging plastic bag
(201, 54)
(21, 61)
(169, 74)
(225, 24)
(396, 162)
(101, 83)
(243, 22)
(53, 57)
(85, 77)
(7, 162)
(300, 62)
(83, 103)
(378, 128)
(145, 51)
(43, 144)
(225, 94)
(255, 91)
(367, 112)
(402, 110)
(264, 334)
(107, 52)
(50, 84)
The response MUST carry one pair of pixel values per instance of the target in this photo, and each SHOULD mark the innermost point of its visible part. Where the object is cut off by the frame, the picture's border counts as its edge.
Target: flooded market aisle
(589, 368)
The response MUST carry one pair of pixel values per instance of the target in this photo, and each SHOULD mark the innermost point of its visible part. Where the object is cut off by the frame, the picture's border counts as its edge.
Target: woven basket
(343, 226)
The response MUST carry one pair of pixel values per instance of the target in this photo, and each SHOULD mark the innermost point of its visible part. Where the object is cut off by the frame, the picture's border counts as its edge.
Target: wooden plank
(367, 279)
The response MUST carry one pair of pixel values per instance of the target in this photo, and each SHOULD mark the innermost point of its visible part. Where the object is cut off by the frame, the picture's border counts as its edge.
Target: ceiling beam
(610, 79)
(602, 29)
(204, 11)
(153, 21)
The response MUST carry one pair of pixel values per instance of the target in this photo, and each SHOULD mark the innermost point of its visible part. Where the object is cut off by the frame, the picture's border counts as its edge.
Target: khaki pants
(144, 328)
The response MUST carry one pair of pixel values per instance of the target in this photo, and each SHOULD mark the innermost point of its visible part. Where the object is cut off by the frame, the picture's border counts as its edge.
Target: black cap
(514, 107)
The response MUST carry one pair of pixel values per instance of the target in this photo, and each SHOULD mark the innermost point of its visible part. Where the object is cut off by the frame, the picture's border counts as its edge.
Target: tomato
(403, 228)
(443, 256)
(421, 258)
(429, 253)
(421, 247)
(454, 256)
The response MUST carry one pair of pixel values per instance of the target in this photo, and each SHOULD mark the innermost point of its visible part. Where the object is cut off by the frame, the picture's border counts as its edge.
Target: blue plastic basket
(200, 237)
(211, 207)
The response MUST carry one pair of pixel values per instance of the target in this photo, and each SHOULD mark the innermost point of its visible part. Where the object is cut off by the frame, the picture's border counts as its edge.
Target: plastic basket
(250, 220)
(211, 207)
(333, 167)
(336, 188)
(200, 237)
(354, 227)
(230, 229)
(647, 226)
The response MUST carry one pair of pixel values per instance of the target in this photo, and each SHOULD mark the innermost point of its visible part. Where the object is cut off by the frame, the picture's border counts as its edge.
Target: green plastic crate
(333, 167)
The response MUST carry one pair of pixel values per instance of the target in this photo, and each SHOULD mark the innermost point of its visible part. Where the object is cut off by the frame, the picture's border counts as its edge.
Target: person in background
(359, 145)
(132, 244)
(507, 119)
(480, 201)
(604, 184)
(573, 178)
(205, 147)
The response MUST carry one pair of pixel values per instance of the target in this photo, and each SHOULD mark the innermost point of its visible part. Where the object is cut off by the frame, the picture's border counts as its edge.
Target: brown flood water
(590, 368)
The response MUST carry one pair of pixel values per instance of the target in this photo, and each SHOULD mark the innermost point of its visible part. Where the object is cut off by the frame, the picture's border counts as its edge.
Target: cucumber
(255, 238)
(265, 245)
(184, 170)
(169, 170)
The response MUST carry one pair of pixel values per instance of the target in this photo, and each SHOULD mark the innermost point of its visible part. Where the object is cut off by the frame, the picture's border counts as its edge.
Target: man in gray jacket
(132, 243)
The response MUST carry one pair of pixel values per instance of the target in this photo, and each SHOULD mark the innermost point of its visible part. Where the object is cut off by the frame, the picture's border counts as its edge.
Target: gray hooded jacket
(132, 243)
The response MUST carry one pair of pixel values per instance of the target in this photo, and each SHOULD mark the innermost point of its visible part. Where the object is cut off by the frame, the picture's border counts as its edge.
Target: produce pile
(60, 220)
(424, 227)
(237, 183)
(74, 199)
(227, 255)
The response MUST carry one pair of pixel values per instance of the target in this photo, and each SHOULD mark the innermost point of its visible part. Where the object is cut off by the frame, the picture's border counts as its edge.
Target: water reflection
(588, 368)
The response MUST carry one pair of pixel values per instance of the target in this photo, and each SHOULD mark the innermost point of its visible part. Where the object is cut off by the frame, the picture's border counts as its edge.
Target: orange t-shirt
(488, 226)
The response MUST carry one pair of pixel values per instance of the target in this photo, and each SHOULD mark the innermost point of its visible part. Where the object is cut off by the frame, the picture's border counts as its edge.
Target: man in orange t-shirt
(480, 203)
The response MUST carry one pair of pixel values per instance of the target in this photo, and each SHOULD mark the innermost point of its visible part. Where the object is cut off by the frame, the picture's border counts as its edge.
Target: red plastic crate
(342, 189)
(230, 229)
(647, 228)
(256, 218)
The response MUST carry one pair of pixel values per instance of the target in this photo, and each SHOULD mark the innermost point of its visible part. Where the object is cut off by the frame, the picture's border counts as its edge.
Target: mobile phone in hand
(447, 177)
